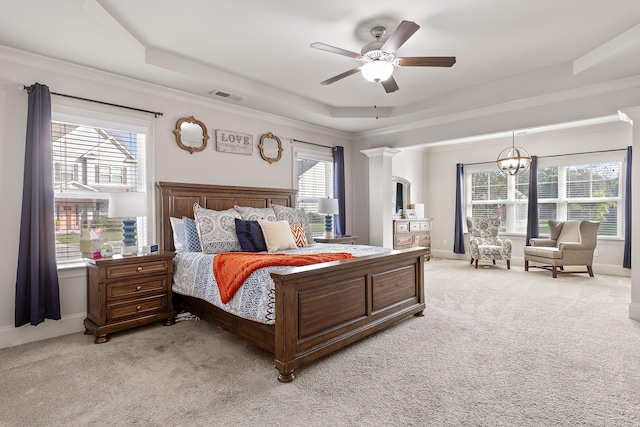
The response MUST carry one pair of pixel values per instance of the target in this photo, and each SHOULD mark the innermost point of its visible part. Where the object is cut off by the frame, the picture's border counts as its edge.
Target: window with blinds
(89, 164)
(589, 191)
(315, 180)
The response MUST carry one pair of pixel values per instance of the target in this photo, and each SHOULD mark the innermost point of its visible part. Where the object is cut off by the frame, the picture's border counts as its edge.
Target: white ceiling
(506, 50)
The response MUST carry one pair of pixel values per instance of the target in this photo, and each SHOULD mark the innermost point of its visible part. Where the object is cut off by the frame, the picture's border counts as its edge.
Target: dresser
(408, 233)
(125, 292)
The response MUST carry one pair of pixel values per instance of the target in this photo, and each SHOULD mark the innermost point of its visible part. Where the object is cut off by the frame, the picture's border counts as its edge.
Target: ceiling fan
(378, 58)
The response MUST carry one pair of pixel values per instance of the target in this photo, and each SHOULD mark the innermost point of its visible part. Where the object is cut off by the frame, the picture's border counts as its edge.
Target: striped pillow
(299, 234)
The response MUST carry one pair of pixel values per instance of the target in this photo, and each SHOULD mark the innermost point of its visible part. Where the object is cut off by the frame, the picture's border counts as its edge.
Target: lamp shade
(127, 205)
(328, 206)
(377, 71)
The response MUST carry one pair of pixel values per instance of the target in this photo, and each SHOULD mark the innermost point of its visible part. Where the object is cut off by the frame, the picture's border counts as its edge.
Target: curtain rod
(155, 113)
(555, 155)
(311, 143)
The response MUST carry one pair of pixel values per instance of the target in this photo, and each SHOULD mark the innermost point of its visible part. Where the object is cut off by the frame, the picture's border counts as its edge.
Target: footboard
(321, 308)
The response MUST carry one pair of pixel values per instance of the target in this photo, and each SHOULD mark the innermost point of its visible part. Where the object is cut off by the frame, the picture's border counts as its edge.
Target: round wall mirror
(191, 134)
(270, 147)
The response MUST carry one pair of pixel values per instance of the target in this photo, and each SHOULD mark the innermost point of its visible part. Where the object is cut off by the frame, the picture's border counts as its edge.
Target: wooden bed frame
(319, 308)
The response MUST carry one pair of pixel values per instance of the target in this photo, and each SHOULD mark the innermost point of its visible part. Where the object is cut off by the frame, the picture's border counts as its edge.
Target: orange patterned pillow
(298, 234)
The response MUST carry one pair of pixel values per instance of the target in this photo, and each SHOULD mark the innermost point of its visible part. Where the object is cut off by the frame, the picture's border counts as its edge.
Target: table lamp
(128, 206)
(329, 207)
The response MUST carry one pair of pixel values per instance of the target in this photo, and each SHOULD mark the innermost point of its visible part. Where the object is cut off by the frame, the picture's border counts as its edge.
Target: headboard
(177, 200)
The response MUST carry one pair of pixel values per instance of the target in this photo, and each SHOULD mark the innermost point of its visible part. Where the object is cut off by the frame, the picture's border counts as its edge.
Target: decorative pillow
(177, 225)
(294, 216)
(191, 236)
(255, 214)
(297, 230)
(217, 230)
(250, 236)
(277, 235)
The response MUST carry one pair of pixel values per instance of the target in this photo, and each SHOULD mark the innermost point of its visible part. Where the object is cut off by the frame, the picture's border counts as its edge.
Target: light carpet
(496, 347)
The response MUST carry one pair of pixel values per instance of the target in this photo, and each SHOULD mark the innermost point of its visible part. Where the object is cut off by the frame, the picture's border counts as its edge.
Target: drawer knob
(138, 287)
(140, 268)
(138, 308)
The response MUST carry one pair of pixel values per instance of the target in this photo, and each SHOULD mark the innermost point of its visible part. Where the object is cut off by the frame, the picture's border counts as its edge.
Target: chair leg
(590, 270)
(476, 262)
(554, 272)
(494, 262)
(526, 265)
(471, 261)
(508, 264)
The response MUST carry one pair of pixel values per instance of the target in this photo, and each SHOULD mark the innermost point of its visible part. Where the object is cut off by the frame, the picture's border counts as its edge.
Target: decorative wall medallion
(234, 142)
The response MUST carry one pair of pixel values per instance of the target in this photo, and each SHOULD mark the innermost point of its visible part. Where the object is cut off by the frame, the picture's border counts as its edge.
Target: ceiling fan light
(377, 71)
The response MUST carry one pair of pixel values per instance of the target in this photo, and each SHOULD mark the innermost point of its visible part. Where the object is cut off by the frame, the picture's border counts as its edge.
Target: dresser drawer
(403, 240)
(136, 308)
(423, 239)
(153, 285)
(402, 227)
(425, 225)
(132, 270)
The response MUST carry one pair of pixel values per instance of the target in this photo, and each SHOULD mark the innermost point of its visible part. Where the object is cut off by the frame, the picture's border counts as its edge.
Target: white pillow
(177, 225)
(277, 235)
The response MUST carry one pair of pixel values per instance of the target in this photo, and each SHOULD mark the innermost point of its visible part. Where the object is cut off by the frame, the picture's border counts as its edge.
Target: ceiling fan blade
(390, 85)
(337, 50)
(426, 61)
(400, 36)
(341, 76)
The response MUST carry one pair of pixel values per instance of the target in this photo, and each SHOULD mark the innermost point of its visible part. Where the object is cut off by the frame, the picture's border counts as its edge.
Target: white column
(634, 305)
(380, 210)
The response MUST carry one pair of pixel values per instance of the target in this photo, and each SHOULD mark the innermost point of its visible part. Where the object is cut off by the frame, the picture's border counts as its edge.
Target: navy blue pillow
(191, 237)
(250, 236)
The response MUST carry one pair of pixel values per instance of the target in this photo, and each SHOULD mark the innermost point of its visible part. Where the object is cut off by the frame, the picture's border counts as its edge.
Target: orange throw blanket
(231, 269)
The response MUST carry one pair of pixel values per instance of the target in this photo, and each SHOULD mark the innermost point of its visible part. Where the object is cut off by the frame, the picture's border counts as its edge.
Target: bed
(319, 308)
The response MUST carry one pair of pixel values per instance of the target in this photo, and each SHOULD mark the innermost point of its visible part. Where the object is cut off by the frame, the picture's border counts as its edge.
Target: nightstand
(345, 240)
(125, 292)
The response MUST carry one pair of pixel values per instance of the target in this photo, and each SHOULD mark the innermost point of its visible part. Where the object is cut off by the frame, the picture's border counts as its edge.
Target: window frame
(310, 204)
(563, 163)
(101, 119)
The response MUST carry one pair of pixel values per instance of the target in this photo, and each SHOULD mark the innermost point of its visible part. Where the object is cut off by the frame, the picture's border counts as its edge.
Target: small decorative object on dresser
(125, 292)
(344, 240)
(409, 233)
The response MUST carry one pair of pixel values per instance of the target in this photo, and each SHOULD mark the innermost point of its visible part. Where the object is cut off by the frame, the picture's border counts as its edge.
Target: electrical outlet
(444, 242)
(595, 252)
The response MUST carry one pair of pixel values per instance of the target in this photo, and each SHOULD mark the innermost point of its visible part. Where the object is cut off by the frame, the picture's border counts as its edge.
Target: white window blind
(315, 180)
(586, 191)
(89, 164)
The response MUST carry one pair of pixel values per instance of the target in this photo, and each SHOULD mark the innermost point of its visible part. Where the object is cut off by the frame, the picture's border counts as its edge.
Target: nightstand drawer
(136, 269)
(156, 285)
(136, 308)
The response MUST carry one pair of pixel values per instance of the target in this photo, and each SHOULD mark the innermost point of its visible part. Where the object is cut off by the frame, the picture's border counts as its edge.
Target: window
(315, 180)
(91, 160)
(577, 189)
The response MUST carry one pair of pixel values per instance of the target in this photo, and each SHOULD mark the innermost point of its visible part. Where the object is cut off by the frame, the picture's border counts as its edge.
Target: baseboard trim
(610, 269)
(11, 336)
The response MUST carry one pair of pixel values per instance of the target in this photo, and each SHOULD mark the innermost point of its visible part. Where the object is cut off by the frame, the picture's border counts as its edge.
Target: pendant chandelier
(513, 160)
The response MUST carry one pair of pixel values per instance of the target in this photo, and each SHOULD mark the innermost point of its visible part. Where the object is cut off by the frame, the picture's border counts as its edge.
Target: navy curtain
(458, 238)
(37, 294)
(626, 263)
(533, 228)
(338, 189)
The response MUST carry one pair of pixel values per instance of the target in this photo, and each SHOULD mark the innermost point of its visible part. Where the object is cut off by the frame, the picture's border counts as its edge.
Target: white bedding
(255, 300)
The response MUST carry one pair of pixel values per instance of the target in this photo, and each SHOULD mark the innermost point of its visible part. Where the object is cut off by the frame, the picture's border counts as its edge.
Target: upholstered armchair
(570, 243)
(484, 243)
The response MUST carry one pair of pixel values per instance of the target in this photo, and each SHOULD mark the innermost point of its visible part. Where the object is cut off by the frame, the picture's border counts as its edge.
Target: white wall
(171, 163)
